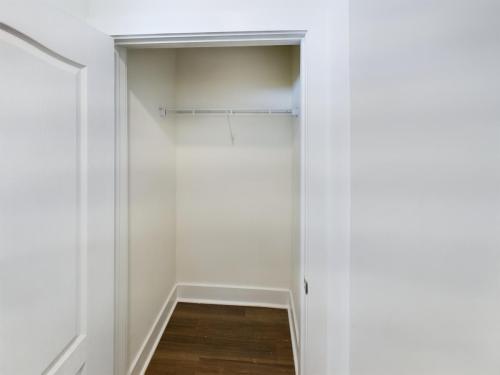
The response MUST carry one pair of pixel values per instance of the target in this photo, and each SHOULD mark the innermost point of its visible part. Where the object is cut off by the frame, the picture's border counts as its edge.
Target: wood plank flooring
(224, 340)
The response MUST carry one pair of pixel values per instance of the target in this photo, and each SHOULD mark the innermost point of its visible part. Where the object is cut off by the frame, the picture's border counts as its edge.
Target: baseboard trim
(233, 295)
(294, 342)
(143, 357)
(294, 318)
(294, 331)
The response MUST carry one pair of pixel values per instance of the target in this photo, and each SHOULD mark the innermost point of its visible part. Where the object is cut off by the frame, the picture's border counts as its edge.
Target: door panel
(56, 196)
(42, 221)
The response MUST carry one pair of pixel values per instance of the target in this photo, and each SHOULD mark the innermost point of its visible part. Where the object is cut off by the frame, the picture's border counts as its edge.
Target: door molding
(226, 39)
(178, 40)
(121, 214)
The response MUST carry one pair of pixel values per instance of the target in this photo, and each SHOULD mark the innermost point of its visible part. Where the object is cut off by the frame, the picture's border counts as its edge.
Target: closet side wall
(151, 190)
(234, 200)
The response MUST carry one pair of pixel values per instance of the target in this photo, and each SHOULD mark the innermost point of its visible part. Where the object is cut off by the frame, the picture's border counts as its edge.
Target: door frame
(179, 40)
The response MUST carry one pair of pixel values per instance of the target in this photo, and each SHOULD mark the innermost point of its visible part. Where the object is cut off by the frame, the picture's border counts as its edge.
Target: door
(56, 194)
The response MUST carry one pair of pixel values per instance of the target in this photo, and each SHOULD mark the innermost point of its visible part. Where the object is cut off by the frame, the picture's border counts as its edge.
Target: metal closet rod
(206, 111)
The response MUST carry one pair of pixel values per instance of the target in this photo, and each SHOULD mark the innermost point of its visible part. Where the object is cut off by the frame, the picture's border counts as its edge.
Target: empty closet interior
(214, 171)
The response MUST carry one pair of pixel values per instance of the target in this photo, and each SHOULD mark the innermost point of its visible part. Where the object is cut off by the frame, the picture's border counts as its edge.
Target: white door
(56, 194)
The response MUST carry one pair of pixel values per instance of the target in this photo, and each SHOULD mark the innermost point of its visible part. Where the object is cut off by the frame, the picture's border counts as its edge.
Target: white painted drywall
(234, 200)
(426, 181)
(151, 190)
(339, 198)
(76, 8)
(327, 67)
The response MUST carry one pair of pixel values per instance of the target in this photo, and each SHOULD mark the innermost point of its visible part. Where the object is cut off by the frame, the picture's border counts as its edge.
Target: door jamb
(122, 43)
(121, 214)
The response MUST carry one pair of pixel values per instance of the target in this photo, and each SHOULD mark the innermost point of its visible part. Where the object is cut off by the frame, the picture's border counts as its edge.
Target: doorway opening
(210, 192)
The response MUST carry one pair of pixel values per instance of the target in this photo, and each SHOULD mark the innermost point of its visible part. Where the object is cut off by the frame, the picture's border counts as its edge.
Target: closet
(214, 184)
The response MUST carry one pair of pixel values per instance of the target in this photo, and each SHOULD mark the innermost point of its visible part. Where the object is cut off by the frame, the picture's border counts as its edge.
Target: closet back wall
(234, 200)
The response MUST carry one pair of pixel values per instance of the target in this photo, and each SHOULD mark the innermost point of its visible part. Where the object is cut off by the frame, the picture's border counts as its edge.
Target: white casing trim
(222, 39)
(121, 214)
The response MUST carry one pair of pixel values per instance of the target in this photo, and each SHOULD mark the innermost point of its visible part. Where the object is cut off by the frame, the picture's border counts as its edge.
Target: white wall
(76, 8)
(326, 53)
(234, 200)
(151, 190)
(426, 181)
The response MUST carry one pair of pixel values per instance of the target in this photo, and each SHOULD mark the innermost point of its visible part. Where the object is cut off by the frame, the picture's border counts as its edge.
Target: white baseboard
(220, 295)
(233, 295)
(291, 304)
(143, 357)
(294, 342)
(294, 332)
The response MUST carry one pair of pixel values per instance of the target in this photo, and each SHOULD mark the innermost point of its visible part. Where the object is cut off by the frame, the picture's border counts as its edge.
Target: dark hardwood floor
(224, 340)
